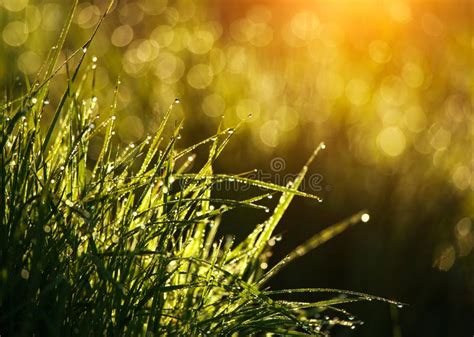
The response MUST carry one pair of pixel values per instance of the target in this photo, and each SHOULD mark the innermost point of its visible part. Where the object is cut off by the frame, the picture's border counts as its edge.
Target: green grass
(127, 244)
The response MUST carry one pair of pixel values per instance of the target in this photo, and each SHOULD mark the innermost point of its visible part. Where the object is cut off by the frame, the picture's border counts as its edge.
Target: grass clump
(126, 245)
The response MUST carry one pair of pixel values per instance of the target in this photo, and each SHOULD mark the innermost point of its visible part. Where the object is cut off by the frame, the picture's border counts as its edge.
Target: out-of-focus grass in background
(387, 85)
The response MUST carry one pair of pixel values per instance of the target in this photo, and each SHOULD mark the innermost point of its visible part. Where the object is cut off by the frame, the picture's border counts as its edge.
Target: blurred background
(386, 84)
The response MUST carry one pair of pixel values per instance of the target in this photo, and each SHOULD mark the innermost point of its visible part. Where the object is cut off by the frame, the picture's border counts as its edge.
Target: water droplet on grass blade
(84, 50)
(25, 274)
(177, 100)
(365, 217)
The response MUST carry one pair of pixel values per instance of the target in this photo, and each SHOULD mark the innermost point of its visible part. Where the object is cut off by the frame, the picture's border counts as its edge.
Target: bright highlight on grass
(365, 217)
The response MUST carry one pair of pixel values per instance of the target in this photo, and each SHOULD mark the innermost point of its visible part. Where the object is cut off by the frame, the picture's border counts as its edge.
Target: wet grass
(126, 244)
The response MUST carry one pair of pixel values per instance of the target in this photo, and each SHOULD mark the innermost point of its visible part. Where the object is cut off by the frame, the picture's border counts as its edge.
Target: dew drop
(323, 146)
(94, 99)
(230, 131)
(34, 100)
(25, 274)
(190, 158)
(46, 101)
(94, 59)
(399, 306)
(176, 100)
(365, 217)
(84, 50)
